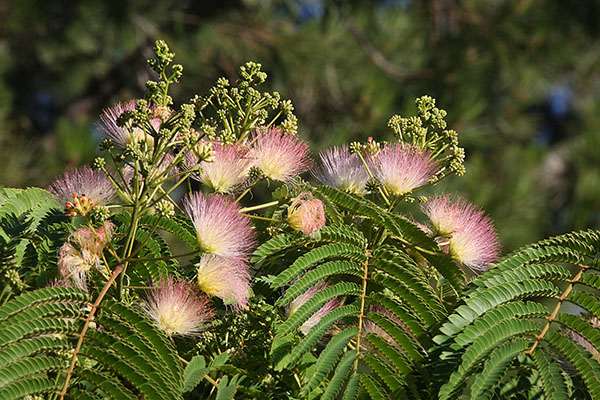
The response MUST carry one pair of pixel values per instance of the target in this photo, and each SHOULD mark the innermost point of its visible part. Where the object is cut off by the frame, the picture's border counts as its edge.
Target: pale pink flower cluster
(178, 309)
(342, 170)
(279, 155)
(402, 168)
(471, 237)
(121, 136)
(306, 214)
(225, 277)
(323, 311)
(82, 189)
(83, 252)
(227, 172)
(220, 228)
(227, 238)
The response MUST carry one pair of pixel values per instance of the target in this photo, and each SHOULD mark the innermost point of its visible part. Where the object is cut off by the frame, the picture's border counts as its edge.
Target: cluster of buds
(232, 122)
(165, 208)
(81, 205)
(428, 131)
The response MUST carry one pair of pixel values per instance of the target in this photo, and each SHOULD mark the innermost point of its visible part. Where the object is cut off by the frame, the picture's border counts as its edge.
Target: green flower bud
(99, 163)
(165, 208)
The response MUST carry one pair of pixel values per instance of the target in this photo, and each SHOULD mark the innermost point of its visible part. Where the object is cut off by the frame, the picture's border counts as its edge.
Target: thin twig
(562, 298)
(86, 325)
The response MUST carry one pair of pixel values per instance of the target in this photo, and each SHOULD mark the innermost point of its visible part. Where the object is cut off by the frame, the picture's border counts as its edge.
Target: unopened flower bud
(13, 277)
(107, 144)
(99, 163)
(372, 147)
(205, 152)
(255, 173)
(355, 147)
(100, 213)
(161, 112)
(306, 214)
(165, 208)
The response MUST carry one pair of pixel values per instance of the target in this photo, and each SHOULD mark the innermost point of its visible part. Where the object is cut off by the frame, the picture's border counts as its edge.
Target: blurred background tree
(520, 80)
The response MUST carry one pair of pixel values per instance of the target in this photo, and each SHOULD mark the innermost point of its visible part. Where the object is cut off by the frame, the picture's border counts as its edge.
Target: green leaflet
(315, 303)
(494, 367)
(319, 273)
(128, 352)
(302, 263)
(318, 331)
(495, 332)
(227, 388)
(329, 356)
(194, 373)
(554, 385)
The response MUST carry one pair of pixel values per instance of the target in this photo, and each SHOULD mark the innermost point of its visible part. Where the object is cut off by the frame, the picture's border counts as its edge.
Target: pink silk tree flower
(306, 214)
(220, 228)
(82, 252)
(82, 189)
(342, 170)
(121, 136)
(316, 317)
(228, 171)
(279, 155)
(402, 168)
(472, 239)
(178, 309)
(225, 277)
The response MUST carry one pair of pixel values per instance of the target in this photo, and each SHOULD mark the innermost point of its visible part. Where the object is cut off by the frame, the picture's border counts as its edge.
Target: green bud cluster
(427, 130)
(12, 276)
(165, 208)
(355, 147)
(231, 112)
(205, 152)
(99, 163)
(255, 173)
(107, 144)
(372, 185)
(100, 213)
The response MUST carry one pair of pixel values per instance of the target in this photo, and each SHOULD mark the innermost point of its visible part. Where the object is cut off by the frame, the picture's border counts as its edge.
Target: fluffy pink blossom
(178, 309)
(225, 277)
(472, 239)
(279, 155)
(342, 170)
(306, 214)
(82, 252)
(227, 171)
(323, 311)
(220, 228)
(82, 189)
(401, 168)
(121, 136)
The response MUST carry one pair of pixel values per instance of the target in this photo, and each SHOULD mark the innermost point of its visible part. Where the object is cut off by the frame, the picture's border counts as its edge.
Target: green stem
(381, 189)
(259, 207)
(362, 307)
(263, 218)
(245, 192)
(153, 229)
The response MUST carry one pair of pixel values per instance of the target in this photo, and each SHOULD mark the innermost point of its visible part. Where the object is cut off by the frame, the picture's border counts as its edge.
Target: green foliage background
(498, 67)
